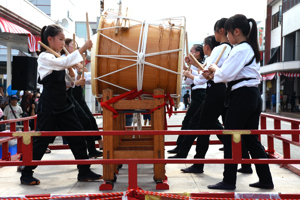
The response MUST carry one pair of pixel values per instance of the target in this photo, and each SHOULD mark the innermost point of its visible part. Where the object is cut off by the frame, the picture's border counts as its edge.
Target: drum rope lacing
(140, 55)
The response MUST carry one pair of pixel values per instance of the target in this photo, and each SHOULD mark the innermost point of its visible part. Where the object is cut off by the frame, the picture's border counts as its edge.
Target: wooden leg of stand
(108, 143)
(119, 124)
(158, 124)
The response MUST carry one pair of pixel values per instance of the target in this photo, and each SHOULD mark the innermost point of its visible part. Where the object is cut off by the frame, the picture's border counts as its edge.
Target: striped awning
(287, 74)
(9, 27)
(267, 77)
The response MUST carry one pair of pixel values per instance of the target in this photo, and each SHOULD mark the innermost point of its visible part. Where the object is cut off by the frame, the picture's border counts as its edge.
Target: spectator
(186, 100)
(293, 101)
(3, 98)
(13, 111)
(273, 102)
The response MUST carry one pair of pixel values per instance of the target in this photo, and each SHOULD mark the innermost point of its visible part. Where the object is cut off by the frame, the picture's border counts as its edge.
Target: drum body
(121, 61)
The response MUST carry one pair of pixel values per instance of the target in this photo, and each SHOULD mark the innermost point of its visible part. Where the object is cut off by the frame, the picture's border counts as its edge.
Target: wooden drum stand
(127, 147)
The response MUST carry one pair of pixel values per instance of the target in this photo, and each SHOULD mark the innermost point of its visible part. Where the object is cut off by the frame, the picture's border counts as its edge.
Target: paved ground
(62, 179)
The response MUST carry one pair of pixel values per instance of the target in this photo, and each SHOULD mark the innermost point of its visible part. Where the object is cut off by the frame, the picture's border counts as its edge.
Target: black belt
(229, 87)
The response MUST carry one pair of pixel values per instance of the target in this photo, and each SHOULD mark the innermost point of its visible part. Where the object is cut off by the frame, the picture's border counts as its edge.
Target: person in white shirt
(213, 104)
(241, 73)
(197, 94)
(55, 110)
(13, 111)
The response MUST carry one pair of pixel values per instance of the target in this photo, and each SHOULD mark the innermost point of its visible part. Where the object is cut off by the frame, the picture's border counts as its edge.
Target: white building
(282, 53)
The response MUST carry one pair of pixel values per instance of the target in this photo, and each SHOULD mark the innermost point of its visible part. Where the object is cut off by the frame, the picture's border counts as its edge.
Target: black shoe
(20, 168)
(48, 150)
(30, 180)
(95, 154)
(176, 156)
(192, 169)
(222, 186)
(90, 176)
(221, 149)
(175, 150)
(262, 185)
(247, 170)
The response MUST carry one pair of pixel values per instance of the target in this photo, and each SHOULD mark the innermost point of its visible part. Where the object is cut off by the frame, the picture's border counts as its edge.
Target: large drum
(145, 55)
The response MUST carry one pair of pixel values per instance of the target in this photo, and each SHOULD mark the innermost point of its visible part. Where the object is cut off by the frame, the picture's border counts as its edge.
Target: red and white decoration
(9, 27)
(289, 74)
(268, 77)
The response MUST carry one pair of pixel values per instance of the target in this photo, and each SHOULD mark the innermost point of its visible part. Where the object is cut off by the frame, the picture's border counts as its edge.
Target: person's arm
(32, 110)
(5, 113)
(230, 68)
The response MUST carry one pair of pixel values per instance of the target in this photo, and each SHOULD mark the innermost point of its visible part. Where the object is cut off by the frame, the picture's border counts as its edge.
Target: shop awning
(9, 27)
(289, 74)
(269, 77)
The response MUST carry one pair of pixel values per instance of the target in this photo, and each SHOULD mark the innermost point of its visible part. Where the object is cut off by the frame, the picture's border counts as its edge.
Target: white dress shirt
(234, 67)
(47, 62)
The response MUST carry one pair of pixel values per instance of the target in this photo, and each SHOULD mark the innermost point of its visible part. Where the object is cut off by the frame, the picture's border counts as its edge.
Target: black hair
(67, 42)
(52, 31)
(211, 42)
(241, 22)
(220, 24)
(199, 48)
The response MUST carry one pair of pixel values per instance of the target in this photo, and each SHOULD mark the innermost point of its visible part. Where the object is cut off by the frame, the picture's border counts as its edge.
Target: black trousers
(77, 93)
(243, 113)
(85, 122)
(198, 97)
(205, 118)
(66, 121)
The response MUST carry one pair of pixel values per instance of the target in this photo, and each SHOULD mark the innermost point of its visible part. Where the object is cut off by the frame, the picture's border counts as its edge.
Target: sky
(201, 15)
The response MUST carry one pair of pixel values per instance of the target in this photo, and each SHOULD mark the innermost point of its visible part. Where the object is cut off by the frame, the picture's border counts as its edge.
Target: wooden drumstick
(49, 49)
(88, 27)
(187, 51)
(66, 51)
(220, 55)
(74, 42)
(196, 62)
(218, 59)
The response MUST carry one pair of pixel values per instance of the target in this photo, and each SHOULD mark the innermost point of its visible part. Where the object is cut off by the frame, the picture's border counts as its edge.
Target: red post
(295, 138)
(132, 176)
(263, 122)
(237, 151)
(277, 124)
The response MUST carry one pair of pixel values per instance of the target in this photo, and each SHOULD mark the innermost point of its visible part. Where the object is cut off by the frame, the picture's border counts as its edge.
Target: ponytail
(241, 22)
(252, 39)
(49, 31)
(43, 39)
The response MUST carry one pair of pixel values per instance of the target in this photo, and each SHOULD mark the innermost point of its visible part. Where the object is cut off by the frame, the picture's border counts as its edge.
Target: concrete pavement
(63, 179)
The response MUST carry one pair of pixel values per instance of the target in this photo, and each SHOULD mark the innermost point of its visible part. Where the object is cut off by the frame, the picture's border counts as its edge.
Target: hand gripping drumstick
(196, 62)
(218, 59)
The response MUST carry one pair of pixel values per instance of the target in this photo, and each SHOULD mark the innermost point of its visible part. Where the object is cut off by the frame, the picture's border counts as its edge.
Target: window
(288, 4)
(275, 19)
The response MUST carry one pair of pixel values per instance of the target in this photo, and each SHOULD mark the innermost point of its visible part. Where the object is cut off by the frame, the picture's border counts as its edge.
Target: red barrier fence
(25, 146)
